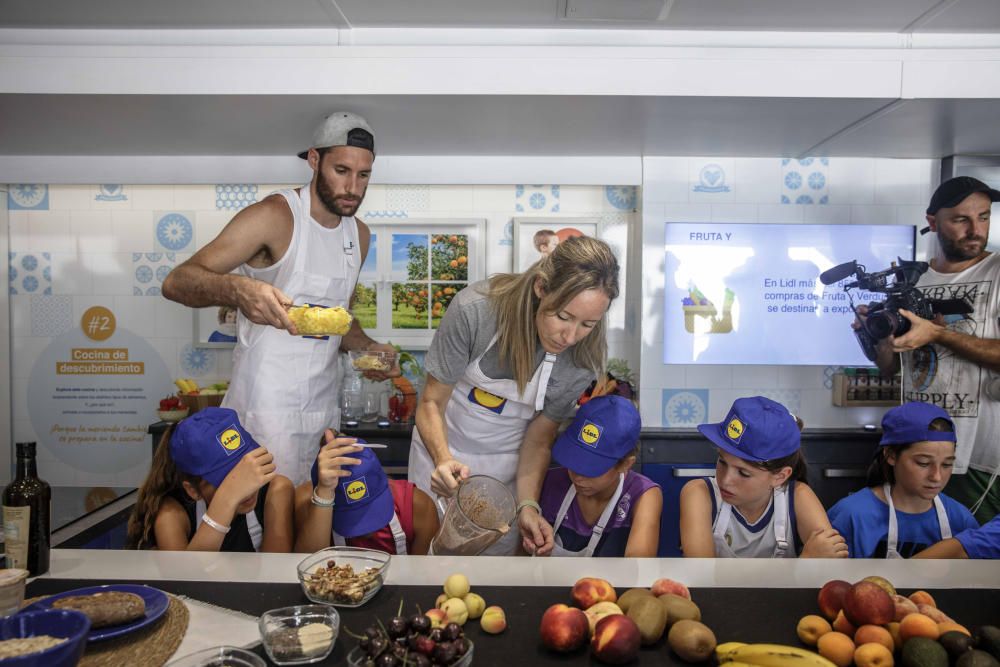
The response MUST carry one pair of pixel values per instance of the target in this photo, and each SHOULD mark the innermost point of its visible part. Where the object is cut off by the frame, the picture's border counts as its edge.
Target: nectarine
(867, 603)
(589, 591)
(563, 628)
(616, 640)
(831, 597)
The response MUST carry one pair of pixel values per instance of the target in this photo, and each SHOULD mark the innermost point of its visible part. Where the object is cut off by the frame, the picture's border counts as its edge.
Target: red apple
(904, 606)
(867, 603)
(589, 591)
(664, 586)
(831, 597)
(564, 628)
(616, 640)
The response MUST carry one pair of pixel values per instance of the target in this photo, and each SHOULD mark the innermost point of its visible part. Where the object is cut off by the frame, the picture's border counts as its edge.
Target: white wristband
(212, 523)
(322, 502)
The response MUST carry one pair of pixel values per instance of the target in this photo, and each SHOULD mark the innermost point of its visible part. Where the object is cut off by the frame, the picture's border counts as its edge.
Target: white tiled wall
(750, 190)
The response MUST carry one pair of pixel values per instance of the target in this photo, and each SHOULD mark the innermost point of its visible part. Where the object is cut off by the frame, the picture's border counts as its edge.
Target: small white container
(12, 590)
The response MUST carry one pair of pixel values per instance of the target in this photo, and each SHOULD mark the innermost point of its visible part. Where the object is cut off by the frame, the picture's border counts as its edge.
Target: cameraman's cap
(343, 128)
(210, 443)
(756, 429)
(363, 501)
(910, 422)
(605, 430)
(953, 192)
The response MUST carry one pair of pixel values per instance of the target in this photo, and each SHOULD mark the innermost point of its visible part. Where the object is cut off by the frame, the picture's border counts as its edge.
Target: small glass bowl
(279, 633)
(173, 415)
(220, 656)
(357, 657)
(359, 559)
(372, 360)
(12, 590)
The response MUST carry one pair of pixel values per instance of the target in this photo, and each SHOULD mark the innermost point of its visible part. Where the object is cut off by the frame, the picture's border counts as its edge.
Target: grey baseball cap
(343, 128)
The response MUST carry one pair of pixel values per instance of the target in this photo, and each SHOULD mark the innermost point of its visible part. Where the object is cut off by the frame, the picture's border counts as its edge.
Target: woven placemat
(152, 645)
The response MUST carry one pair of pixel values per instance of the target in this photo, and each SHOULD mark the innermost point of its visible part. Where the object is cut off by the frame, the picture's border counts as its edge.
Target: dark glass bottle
(27, 502)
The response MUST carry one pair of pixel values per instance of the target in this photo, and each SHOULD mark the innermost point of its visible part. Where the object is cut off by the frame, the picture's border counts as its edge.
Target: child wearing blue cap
(352, 502)
(903, 511)
(211, 487)
(596, 504)
(758, 504)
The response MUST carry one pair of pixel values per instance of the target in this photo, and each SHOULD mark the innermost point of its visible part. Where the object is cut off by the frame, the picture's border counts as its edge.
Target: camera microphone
(838, 273)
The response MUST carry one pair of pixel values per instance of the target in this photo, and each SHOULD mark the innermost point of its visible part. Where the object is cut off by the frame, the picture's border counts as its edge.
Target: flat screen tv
(751, 294)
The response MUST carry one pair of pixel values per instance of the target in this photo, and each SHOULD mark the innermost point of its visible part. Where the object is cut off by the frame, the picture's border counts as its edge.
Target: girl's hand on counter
(536, 533)
(446, 476)
(333, 457)
(825, 543)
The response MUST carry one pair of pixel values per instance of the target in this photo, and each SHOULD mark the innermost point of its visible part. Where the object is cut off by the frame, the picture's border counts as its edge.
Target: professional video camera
(898, 283)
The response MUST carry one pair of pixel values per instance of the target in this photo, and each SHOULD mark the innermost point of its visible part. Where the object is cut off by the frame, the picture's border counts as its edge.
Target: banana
(777, 655)
(723, 650)
(186, 385)
(180, 382)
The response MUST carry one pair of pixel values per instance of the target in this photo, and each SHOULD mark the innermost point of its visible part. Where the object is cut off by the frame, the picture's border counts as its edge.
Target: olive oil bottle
(26, 504)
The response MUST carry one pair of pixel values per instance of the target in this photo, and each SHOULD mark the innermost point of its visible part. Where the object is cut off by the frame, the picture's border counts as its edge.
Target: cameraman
(950, 361)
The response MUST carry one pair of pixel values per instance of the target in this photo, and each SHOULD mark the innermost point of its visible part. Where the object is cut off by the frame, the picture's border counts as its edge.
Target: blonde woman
(511, 357)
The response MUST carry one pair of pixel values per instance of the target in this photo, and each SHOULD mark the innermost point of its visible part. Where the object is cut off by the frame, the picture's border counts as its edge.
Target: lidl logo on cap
(590, 434)
(356, 490)
(487, 400)
(230, 439)
(735, 429)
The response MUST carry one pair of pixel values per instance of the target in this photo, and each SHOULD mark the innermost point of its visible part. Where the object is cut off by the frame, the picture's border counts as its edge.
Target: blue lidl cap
(756, 429)
(362, 502)
(910, 422)
(604, 430)
(210, 443)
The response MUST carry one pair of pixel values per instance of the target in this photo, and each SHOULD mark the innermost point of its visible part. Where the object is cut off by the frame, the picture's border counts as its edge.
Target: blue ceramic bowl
(73, 625)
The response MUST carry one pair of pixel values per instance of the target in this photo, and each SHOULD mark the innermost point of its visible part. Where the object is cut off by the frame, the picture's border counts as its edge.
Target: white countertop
(512, 571)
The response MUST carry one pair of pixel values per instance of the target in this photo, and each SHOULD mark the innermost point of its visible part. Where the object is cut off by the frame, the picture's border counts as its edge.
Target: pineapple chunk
(320, 321)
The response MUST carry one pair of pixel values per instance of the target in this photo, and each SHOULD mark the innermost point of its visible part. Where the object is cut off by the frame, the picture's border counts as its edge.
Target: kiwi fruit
(629, 597)
(691, 641)
(679, 608)
(650, 616)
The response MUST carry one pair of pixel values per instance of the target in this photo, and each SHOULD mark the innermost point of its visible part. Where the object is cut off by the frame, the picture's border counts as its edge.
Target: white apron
(285, 388)
(398, 536)
(892, 539)
(599, 527)
(253, 526)
(779, 522)
(485, 421)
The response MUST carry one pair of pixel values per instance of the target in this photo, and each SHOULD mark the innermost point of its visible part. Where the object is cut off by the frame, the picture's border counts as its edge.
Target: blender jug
(479, 514)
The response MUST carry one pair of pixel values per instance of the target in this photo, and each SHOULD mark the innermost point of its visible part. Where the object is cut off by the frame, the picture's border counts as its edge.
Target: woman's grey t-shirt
(465, 332)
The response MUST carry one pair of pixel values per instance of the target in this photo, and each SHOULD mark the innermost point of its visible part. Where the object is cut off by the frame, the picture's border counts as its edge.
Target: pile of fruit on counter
(617, 627)
(189, 387)
(433, 637)
(868, 624)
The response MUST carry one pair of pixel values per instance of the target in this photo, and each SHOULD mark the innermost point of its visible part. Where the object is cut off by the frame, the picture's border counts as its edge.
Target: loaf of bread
(104, 609)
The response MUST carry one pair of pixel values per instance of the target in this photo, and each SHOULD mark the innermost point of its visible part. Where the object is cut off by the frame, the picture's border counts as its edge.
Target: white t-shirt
(935, 374)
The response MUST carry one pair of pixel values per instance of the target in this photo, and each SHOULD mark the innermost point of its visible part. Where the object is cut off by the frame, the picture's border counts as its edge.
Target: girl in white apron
(503, 423)
(597, 452)
(211, 487)
(903, 511)
(757, 505)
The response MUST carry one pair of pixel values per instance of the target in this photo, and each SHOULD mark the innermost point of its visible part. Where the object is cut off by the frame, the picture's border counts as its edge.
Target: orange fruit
(873, 654)
(837, 648)
(811, 628)
(922, 597)
(874, 634)
(918, 625)
(949, 626)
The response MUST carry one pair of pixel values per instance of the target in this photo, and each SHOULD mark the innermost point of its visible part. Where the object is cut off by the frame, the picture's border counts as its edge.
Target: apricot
(893, 629)
(922, 597)
(836, 647)
(811, 628)
(874, 634)
(873, 654)
(918, 625)
(842, 625)
(949, 626)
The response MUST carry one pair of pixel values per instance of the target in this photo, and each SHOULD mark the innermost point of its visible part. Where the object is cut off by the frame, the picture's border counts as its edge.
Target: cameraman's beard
(344, 205)
(960, 250)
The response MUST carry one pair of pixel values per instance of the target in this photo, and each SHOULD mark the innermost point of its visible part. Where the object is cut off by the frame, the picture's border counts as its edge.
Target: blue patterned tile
(30, 272)
(622, 197)
(149, 270)
(408, 197)
(805, 181)
(711, 178)
(828, 374)
(51, 315)
(234, 196)
(536, 198)
(28, 197)
(174, 231)
(112, 192)
(684, 407)
(384, 214)
(197, 361)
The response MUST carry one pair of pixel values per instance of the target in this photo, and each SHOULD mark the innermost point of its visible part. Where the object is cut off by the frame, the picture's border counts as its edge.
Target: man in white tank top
(294, 247)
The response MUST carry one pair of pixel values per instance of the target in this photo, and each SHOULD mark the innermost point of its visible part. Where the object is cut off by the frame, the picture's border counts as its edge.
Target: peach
(589, 591)
(904, 606)
(457, 586)
(475, 604)
(893, 629)
(494, 620)
(867, 603)
(616, 640)
(842, 625)
(663, 586)
(441, 599)
(837, 648)
(438, 618)
(950, 626)
(563, 628)
(455, 610)
(873, 654)
(918, 625)
(933, 612)
(811, 628)
(831, 597)
(883, 582)
(874, 634)
(922, 597)
(599, 611)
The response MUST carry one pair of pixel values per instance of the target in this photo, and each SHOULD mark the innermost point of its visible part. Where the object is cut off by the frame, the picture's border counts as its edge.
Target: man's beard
(954, 252)
(339, 207)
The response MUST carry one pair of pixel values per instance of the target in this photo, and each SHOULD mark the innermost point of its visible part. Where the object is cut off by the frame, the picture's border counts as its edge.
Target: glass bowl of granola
(372, 360)
(343, 576)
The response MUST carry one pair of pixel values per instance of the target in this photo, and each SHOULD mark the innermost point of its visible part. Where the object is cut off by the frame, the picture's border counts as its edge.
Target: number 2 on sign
(98, 323)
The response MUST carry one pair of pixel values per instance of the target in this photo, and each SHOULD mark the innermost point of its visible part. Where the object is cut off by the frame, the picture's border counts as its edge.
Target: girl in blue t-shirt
(903, 511)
